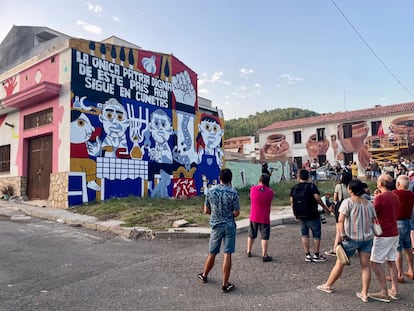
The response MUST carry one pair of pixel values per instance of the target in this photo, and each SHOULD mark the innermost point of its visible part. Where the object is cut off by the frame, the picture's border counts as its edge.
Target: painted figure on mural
(184, 152)
(161, 129)
(81, 131)
(161, 189)
(208, 143)
(115, 123)
(209, 140)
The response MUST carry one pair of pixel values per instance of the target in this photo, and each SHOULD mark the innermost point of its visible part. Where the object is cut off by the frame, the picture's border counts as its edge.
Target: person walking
(222, 203)
(261, 197)
(354, 169)
(340, 194)
(354, 225)
(384, 248)
(304, 200)
(404, 212)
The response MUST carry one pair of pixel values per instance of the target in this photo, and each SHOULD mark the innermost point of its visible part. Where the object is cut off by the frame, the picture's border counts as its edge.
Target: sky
(255, 56)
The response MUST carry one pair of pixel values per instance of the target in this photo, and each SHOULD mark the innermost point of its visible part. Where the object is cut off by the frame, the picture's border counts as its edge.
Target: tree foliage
(250, 125)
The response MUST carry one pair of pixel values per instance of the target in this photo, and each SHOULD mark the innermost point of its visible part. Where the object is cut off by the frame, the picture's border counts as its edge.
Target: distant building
(242, 145)
(381, 133)
(82, 120)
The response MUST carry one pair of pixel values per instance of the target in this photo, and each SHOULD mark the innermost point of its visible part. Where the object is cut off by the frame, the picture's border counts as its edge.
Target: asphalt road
(46, 265)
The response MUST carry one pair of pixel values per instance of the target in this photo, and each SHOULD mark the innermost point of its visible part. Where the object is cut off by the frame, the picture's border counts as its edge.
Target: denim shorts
(412, 221)
(404, 229)
(312, 224)
(225, 233)
(352, 246)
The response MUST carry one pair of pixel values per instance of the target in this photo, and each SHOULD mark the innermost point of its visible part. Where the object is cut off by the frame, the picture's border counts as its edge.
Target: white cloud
(115, 18)
(96, 8)
(383, 99)
(291, 80)
(258, 85)
(244, 73)
(214, 78)
(89, 28)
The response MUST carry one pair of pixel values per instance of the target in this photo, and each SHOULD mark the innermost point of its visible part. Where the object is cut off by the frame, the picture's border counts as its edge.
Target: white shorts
(384, 249)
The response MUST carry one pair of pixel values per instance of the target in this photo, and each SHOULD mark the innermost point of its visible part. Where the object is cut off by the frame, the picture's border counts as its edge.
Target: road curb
(115, 227)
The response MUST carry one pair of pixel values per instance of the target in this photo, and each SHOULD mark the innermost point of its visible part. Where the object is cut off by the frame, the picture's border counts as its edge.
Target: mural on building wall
(135, 126)
(347, 137)
(277, 150)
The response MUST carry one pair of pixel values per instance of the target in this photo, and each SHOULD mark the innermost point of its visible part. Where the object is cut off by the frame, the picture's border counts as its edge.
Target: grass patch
(160, 214)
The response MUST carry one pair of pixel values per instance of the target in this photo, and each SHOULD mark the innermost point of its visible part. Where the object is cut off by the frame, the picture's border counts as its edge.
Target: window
(5, 158)
(347, 129)
(297, 137)
(38, 119)
(375, 125)
(299, 162)
(321, 159)
(348, 157)
(320, 134)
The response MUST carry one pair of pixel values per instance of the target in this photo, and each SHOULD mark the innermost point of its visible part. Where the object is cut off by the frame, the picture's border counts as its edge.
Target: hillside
(249, 126)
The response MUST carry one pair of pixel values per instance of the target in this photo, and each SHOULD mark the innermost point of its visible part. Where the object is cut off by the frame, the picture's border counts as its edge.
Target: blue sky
(252, 56)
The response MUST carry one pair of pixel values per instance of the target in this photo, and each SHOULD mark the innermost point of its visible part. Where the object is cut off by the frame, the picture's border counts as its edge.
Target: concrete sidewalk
(17, 209)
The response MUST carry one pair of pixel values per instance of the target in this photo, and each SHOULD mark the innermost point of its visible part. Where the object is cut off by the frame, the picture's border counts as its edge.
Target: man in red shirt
(404, 212)
(261, 197)
(384, 248)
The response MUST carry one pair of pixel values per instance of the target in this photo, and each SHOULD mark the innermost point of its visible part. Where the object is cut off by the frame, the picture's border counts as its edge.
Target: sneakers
(379, 297)
(202, 278)
(249, 254)
(267, 258)
(227, 288)
(308, 258)
(330, 253)
(319, 258)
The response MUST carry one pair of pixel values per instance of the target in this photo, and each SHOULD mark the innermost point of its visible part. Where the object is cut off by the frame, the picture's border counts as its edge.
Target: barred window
(38, 119)
(5, 158)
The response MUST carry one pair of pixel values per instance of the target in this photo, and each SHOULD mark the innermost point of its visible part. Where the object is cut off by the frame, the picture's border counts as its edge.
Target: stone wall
(58, 191)
(16, 182)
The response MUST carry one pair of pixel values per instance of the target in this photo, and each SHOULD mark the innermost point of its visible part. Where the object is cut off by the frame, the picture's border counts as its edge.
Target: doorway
(39, 167)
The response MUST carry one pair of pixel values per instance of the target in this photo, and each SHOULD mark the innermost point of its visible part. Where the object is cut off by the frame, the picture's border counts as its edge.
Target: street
(46, 265)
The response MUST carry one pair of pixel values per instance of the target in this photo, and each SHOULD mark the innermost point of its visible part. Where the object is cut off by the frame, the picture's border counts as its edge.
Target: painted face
(114, 120)
(211, 133)
(81, 129)
(160, 127)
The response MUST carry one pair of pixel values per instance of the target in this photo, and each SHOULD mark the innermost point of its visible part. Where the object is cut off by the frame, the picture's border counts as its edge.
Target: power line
(372, 51)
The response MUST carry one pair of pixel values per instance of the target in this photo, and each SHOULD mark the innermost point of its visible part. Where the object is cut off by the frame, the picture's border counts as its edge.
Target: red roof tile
(363, 114)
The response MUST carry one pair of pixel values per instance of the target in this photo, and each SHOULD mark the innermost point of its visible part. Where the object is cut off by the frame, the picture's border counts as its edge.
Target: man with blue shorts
(222, 203)
(404, 212)
(304, 200)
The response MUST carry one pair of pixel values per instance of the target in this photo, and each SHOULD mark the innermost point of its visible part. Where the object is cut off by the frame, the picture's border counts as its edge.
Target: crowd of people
(355, 211)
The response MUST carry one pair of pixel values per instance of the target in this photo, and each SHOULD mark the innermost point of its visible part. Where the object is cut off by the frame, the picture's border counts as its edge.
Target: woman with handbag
(355, 221)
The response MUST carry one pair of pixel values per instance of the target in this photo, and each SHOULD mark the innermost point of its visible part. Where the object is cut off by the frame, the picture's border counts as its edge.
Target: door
(39, 167)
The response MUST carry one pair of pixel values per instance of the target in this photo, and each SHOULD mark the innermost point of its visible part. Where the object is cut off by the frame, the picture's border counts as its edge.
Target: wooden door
(39, 167)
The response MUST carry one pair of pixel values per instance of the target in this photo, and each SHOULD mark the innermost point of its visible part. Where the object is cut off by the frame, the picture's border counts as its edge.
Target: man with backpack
(304, 199)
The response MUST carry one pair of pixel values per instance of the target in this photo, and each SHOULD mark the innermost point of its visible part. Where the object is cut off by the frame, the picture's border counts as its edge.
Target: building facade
(82, 121)
(381, 134)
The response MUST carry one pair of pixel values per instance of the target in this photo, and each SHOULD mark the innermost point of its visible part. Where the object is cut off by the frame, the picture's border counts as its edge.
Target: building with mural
(380, 134)
(82, 120)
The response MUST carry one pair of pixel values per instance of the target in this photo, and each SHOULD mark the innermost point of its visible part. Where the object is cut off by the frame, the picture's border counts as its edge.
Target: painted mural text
(104, 76)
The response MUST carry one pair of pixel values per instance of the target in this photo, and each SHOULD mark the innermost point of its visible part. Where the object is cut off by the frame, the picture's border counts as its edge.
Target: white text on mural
(107, 77)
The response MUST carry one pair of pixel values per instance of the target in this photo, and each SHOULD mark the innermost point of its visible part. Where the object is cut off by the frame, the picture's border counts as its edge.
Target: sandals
(325, 288)
(364, 299)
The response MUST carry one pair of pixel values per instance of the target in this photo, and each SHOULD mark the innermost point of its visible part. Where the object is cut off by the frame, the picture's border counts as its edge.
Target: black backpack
(304, 203)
